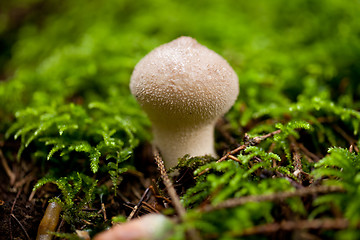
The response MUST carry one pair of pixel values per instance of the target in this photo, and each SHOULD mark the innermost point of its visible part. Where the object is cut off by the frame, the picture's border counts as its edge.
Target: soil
(20, 215)
(21, 210)
(20, 221)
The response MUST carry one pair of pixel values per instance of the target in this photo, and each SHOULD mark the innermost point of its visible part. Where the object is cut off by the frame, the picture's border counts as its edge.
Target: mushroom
(184, 88)
(149, 227)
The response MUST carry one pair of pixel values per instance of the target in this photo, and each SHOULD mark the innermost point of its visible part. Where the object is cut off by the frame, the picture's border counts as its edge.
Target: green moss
(65, 97)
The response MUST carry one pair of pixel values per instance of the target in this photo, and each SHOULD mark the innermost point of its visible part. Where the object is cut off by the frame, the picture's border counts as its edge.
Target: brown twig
(234, 202)
(337, 223)
(296, 159)
(26, 179)
(155, 191)
(150, 208)
(7, 169)
(135, 191)
(313, 157)
(62, 222)
(234, 158)
(16, 198)
(169, 186)
(123, 198)
(351, 140)
(248, 142)
(22, 227)
(12, 209)
(103, 211)
(32, 194)
(138, 206)
(87, 222)
(294, 183)
(193, 234)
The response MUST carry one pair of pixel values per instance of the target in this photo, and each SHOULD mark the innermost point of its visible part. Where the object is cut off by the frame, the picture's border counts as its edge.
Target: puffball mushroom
(184, 87)
(149, 227)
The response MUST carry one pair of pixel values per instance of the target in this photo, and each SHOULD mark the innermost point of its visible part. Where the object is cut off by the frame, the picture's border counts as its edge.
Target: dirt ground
(20, 216)
(21, 209)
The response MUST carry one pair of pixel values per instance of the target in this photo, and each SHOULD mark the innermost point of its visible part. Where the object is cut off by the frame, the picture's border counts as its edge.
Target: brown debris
(338, 223)
(230, 203)
(248, 142)
(11, 175)
(193, 234)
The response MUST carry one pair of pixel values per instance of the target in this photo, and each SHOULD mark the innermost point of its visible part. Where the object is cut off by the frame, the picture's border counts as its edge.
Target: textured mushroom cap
(185, 82)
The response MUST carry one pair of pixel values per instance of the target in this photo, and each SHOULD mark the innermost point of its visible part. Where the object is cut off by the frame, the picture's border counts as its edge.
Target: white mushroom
(184, 88)
(149, 227)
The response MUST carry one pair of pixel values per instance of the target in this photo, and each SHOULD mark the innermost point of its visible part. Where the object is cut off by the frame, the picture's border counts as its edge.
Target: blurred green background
(60, 51)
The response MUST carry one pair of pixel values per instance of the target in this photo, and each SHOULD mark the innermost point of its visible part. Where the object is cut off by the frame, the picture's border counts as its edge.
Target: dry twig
(348, 138)
(13, 216)
(248, 142)
(103, 211)
(7, 169)
(230, 203)
(149, 208)
(22, 227)
(169, 186)
(337, 223)
(311, 156)
(138, 206)
(193, 234)
(297, 159)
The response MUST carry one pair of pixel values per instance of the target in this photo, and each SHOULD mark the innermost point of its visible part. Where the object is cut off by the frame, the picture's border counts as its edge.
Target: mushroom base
(175, 142)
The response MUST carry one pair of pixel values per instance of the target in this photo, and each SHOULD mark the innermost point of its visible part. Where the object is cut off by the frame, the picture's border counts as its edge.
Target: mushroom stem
(174, 142)
(184, 88)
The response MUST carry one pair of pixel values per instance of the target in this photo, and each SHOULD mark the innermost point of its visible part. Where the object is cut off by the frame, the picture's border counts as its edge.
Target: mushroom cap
(184, 82)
